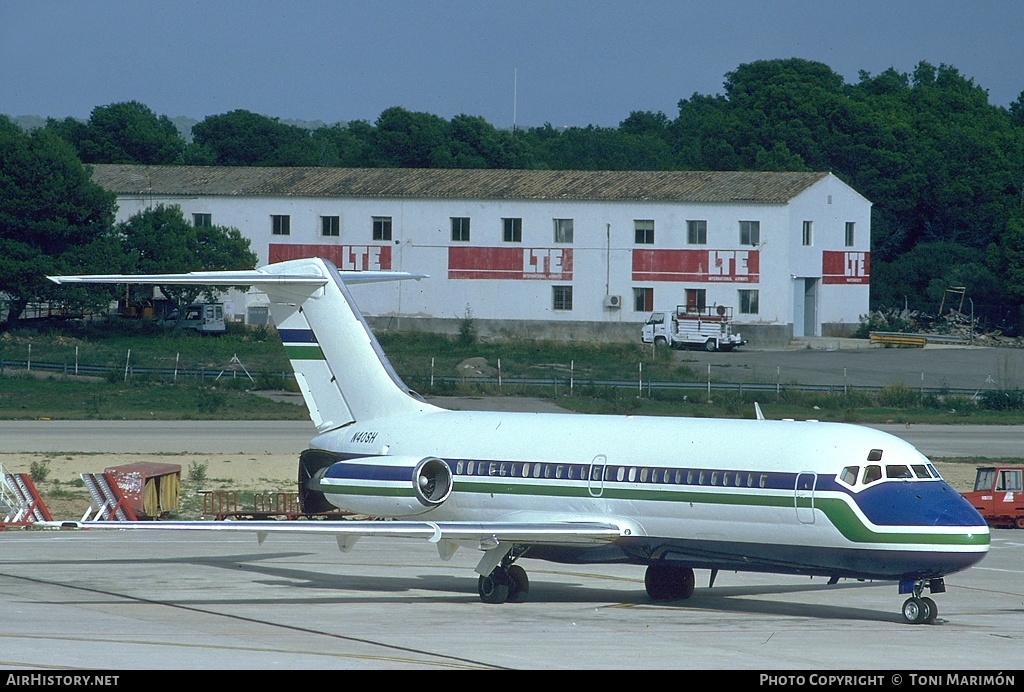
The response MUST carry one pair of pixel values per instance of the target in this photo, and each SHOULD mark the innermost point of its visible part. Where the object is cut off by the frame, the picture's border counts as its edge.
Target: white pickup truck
(709, 328)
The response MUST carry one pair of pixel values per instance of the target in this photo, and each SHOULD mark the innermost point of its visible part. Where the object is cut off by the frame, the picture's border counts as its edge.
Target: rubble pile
(953, 326)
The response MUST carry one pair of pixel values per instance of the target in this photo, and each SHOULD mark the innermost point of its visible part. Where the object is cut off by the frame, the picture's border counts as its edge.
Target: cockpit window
(921, 471)
(875, 455)
(872, 473)
(897, 471)
(849, 475)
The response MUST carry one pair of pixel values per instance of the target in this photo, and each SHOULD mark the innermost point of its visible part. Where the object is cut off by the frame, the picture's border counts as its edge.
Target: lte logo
(855, 264)
(544, 262)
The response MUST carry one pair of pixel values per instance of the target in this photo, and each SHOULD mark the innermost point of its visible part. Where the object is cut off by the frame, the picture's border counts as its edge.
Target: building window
(643, 299)
(281, 224)
(460, 229)
(697, 232)
(644, 229)
(750, 232)
(330, 225)
(748, 302)
(696, 299)
(512, 230)
(561, 297)
(849, 234)
(202, 220)
(807, 238)
(382, 228)
(563, 230)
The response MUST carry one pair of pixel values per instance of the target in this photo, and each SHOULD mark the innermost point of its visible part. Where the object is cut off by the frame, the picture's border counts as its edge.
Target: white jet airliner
(671, 494)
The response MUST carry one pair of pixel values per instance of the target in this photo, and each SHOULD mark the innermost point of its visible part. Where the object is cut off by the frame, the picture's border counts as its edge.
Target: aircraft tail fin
(339, 365)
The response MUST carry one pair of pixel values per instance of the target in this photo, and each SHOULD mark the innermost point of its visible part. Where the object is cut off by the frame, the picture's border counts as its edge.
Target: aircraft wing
(482, 535)
(253, 277)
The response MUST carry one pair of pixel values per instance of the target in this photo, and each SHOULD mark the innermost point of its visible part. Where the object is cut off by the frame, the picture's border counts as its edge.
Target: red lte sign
(553, 264)
(344, 257)
(839, 267)
(737, 266)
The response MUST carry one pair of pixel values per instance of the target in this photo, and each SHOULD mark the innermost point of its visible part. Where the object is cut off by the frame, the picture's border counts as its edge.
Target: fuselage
(779, 496)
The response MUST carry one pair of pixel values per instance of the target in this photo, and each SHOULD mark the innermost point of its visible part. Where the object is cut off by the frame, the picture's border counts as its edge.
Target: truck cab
(999, 496)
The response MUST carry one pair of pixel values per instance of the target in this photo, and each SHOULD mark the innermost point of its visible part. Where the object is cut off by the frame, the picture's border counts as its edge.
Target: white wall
(602, 250)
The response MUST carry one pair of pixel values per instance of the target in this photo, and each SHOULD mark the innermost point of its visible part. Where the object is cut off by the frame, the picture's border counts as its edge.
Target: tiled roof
(434, 183)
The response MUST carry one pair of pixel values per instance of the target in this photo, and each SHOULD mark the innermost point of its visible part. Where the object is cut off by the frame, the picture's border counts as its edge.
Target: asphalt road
(964, 368)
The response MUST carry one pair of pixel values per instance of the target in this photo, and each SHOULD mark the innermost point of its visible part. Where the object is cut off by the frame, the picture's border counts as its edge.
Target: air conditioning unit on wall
(613, 301)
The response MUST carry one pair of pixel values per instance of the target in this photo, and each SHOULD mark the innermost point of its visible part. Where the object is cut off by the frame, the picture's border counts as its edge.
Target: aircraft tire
(916, 610)
(519, 584)
(494, 587)
(668, 582)
(933, 610)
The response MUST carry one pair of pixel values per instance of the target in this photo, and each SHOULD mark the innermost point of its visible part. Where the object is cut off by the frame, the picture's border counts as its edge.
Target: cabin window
(897, 471)
(469, 467)
(701, 478)
(689, 477)
(921, 471)
(750, 480)
(643, 475)
(632, 474)
(764, 480)
(726, 477)
(503, 470)
(526, 470)
(714, 478)
(872, 473)
(537, 468)
(849, 475)
(1009, 481)
(739, 480)
(621, 474)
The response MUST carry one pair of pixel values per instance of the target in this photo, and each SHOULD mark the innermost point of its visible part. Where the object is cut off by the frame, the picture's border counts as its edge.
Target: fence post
(127, 360)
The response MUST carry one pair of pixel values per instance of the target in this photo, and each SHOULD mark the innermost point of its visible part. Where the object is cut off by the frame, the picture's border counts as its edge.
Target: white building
(583, 254)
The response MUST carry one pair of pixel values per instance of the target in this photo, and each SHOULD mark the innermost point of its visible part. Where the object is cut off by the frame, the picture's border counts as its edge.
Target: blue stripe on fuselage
(297, 336)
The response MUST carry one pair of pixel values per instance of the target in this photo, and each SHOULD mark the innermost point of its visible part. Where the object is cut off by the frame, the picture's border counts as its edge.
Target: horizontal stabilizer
(340, 369)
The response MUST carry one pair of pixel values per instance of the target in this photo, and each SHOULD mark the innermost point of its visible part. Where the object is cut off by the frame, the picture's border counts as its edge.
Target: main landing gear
(668, 582)
(505, 584)
(918, 609)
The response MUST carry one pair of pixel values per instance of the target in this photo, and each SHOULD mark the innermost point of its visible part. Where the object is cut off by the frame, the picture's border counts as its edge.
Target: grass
(422, 360)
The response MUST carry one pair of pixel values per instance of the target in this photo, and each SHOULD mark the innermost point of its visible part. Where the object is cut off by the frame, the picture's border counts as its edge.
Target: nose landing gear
(918, 609)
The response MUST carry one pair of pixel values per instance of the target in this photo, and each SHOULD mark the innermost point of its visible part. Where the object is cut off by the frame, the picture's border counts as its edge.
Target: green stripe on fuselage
(838, 512)
(304, 352)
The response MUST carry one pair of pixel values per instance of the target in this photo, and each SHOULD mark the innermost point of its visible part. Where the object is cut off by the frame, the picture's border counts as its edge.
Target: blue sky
(528, 62)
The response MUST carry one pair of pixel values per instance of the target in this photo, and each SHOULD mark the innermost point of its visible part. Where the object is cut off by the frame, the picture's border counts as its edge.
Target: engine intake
(380, 486)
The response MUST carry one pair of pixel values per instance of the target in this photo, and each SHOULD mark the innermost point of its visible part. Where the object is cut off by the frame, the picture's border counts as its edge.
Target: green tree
(160, 240)
(53, 220)
(242, 138)
(123, 133)
(405, 139)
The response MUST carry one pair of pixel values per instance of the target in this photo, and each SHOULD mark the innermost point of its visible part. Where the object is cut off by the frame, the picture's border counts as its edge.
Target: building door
(810, 307)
